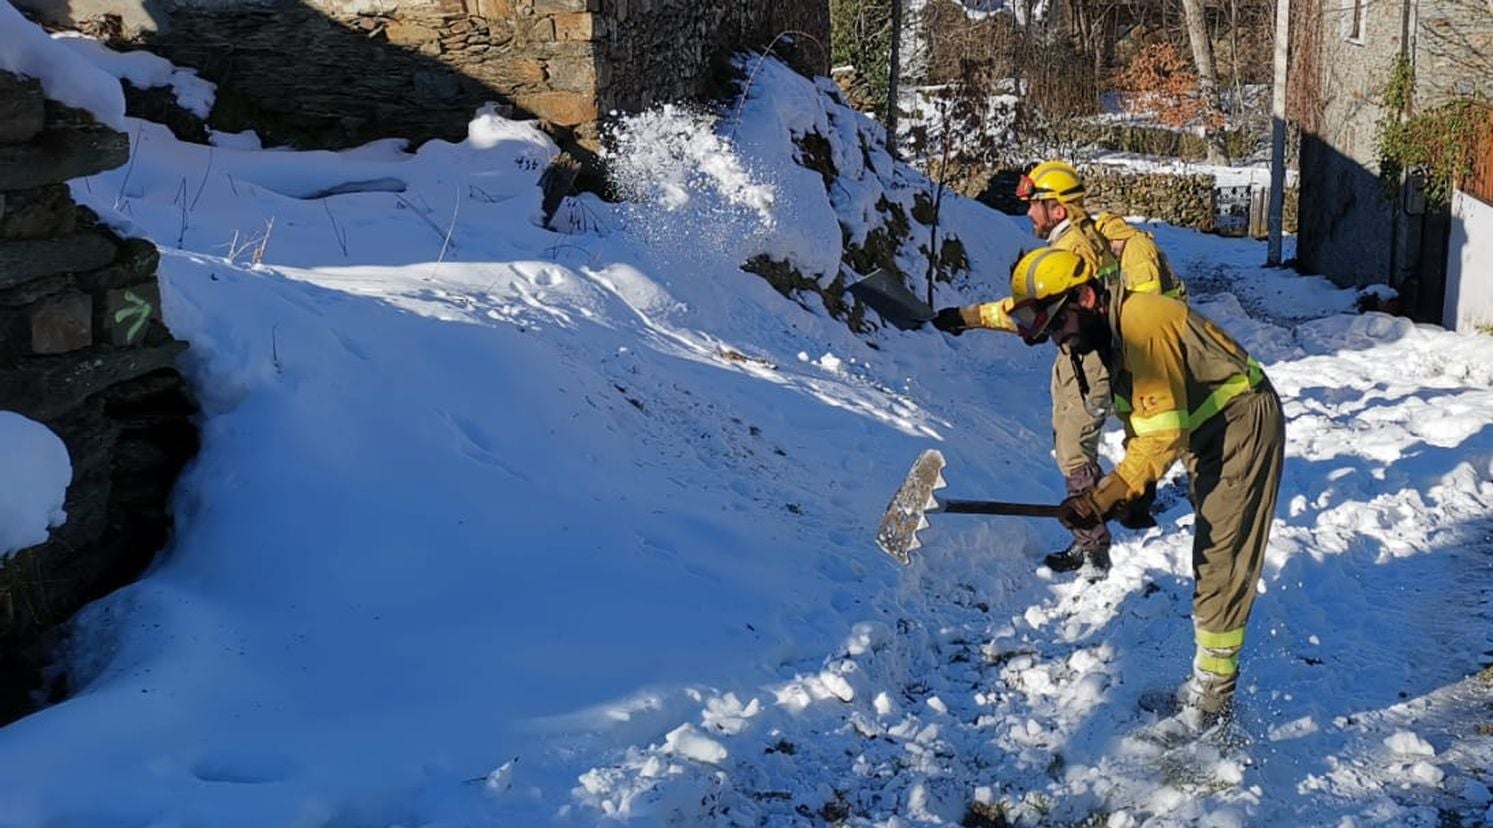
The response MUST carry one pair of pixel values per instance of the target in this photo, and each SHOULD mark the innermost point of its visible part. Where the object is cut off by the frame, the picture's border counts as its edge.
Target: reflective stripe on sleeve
(1212, 404)
(1162, 421)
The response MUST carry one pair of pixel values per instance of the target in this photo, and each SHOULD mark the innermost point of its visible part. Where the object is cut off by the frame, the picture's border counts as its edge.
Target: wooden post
(1258, 222)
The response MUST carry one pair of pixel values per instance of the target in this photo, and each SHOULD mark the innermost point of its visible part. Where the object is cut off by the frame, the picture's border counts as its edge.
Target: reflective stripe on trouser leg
(1215, 667)
(1235, 467)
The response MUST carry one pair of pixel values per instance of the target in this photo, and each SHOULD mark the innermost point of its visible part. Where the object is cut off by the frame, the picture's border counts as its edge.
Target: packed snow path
(1020, 690)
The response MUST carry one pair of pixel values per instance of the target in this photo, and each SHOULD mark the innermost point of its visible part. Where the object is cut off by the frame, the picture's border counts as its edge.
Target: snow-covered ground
(494, 525)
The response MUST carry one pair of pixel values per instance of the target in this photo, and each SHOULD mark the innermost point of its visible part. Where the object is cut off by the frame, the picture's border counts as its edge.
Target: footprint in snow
(546, 277)
(352, 347)
(478, 445)
(244, 769)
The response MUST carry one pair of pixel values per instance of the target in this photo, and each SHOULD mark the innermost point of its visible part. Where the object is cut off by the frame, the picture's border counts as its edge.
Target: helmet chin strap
(1083, 379)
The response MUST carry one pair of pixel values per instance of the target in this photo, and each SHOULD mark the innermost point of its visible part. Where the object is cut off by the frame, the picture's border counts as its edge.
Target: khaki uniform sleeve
(1153, 358)
(1074, 242)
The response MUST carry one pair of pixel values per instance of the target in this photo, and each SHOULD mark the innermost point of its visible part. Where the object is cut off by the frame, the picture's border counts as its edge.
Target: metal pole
(1278, 134)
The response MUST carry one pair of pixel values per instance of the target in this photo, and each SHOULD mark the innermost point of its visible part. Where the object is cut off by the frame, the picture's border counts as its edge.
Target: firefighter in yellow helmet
(1054, 192)
(1185, 389)
(1142, 264)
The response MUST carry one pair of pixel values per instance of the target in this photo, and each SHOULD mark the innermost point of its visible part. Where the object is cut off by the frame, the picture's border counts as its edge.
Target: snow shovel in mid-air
(906, 514)
(884, 293)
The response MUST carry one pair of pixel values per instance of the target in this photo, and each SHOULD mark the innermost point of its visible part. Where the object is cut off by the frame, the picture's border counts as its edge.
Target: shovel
(884, 293)
(907, 513)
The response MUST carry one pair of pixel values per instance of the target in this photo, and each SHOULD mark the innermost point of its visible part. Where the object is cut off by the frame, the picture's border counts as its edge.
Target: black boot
(1074, 557)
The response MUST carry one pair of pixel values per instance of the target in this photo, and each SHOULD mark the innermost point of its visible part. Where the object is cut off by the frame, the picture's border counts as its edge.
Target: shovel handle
(997, 507)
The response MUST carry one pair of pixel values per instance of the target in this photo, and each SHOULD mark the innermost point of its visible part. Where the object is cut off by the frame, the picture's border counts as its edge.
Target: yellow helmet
(1051, 180)
(1047, 272)
(1040, 285)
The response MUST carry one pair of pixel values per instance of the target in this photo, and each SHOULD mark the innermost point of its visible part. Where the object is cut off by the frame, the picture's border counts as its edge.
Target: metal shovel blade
(898, 533)
(884, 293)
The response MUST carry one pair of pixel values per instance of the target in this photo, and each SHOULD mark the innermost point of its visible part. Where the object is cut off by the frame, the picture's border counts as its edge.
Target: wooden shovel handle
(997, 507)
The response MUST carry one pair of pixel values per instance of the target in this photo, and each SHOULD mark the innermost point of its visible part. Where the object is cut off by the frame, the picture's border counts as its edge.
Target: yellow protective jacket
(1142, 267)
(1143, 264)
(1172, 370)
(1079, 236)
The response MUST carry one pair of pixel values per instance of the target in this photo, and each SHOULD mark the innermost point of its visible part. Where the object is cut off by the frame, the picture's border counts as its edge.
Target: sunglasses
(1034, 317)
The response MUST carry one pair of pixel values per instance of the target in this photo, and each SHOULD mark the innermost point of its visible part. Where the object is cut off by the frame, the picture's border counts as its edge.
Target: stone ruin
(83, 351)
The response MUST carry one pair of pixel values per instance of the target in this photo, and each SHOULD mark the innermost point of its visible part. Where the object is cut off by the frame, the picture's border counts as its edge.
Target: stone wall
(82, 349)
(1345, 225)
(333, 73)
(1453, 51)
(658, 51)
(1351, 230)
(313, 75)
(1183, 200)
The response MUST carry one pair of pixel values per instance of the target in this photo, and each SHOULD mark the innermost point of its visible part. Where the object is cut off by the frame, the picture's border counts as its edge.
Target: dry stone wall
(82, 350)
(1182, 200)
(332, 73)
(312, 77)
(659, 51)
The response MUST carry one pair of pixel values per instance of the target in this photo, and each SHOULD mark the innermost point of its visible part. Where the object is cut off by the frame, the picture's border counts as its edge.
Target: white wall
(1469, 266)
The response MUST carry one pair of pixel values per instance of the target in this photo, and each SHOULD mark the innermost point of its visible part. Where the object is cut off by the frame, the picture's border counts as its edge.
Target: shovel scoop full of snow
(907, 513)
(898, 533)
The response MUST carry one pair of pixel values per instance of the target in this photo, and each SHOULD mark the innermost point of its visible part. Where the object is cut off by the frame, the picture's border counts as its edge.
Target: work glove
(1136, 514)
(1080, 511)
(950, 321)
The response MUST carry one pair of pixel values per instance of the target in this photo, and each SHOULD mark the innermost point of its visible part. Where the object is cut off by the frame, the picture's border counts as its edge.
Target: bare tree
(1202, 58)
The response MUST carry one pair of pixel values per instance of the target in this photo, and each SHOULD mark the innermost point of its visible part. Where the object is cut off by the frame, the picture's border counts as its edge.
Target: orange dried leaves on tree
(1161, 81)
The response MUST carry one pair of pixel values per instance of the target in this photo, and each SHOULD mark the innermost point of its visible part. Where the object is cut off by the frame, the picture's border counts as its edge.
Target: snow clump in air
(689, 192)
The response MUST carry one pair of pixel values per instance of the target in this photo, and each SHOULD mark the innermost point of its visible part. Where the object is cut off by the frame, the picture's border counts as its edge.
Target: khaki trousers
(1234, 465)
(1077, 422)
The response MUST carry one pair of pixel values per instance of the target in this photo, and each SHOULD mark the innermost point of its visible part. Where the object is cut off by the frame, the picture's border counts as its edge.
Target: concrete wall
(330, 73)
(1469, 266)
